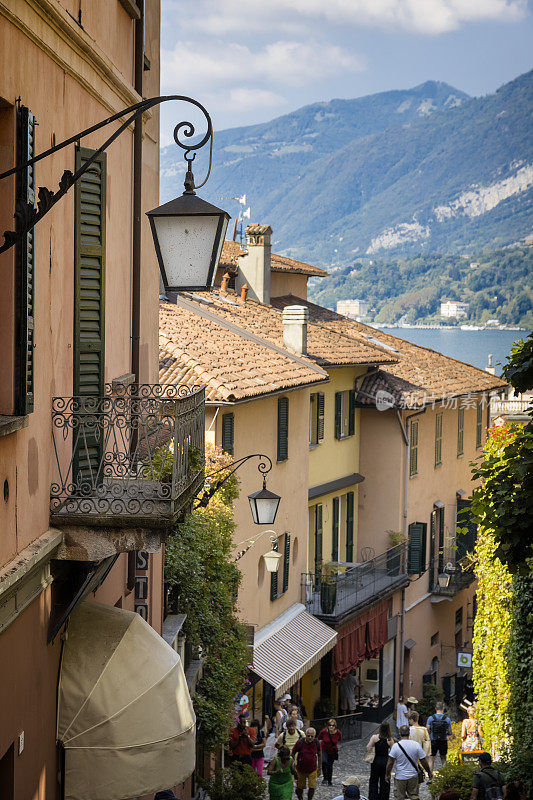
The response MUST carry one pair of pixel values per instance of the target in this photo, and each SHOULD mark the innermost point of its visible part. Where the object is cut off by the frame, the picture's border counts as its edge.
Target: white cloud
(221, 17)
(279, 63)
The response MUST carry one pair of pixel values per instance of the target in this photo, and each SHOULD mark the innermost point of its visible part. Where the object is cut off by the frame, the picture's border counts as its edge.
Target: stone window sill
(10, 424)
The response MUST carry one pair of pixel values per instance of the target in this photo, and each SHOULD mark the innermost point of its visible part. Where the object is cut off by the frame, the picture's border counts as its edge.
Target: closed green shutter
(320, 417)
(25, 281)
(351, 422)
(283, 429)
(479, 425)
(89, 298)
(338, 415)
(441, 539)
(416, 554)
(286, 561)
(413, 448)
(228, 429)
(432, 547)
(438, 439)
(274, 577)
(318, 539)
(349, 526)
(335, 530)
(460, 431)
(466, 530)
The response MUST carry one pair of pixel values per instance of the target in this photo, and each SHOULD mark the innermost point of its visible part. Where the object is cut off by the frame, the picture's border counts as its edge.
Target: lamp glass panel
(265, 510)
(186, 245)
(272, 560)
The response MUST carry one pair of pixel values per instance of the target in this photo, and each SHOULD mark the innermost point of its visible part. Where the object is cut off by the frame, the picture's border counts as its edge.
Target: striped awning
(289, 646)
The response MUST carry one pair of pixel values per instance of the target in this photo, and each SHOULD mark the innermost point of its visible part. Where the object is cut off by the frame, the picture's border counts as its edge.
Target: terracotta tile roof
(232, 250)
(202, 349)
(325, 347)
(419, 372)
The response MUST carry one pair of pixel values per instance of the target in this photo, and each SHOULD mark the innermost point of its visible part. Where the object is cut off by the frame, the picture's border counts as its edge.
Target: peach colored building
(71, 530)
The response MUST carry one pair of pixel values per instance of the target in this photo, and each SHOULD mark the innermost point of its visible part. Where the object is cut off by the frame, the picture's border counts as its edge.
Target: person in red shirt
(329, 738)
(242, 741)
(307, 753)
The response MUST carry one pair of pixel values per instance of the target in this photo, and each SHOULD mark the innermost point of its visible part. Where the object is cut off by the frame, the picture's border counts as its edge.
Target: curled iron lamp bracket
(27, 216)
(264, 467)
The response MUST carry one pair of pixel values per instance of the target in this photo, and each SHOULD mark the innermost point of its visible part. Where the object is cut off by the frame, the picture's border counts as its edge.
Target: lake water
(470, 346)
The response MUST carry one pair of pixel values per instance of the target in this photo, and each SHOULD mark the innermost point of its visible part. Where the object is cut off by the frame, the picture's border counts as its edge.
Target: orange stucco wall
(256, 432)
(70, 76)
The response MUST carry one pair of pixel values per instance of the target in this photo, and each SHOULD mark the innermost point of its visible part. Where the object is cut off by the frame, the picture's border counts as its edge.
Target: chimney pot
(225, 282)
(254, 265)
(244, 292)
(295, 320)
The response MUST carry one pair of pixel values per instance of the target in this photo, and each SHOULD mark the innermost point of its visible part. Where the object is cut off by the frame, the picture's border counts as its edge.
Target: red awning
(361, 638)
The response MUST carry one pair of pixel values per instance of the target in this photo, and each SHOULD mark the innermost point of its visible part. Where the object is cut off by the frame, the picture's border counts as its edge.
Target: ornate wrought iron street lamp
(188, 232)
(264, 505)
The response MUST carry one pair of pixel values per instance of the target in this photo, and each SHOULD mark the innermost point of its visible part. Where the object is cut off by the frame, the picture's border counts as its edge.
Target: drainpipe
(137, 200)
(404, 428)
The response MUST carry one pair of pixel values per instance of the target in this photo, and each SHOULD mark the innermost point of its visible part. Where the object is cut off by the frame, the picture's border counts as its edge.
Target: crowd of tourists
(295, 757)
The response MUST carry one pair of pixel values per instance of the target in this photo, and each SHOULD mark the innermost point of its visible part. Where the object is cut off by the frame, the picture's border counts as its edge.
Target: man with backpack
(307, 754)
(489, 783)
(439, 727)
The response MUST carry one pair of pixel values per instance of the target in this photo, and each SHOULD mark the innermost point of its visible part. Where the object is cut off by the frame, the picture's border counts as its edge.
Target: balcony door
(89, 310)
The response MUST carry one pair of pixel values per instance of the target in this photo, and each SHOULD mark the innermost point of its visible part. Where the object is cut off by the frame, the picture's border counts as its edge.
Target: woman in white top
(279, 717)
(293, 714)
(418, 733)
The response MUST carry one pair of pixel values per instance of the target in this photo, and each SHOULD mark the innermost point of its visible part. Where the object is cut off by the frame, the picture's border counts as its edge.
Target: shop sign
(464, 660)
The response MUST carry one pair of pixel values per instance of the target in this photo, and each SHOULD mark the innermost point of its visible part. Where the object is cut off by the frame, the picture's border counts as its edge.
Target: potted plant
(328, 587)
(394, 557)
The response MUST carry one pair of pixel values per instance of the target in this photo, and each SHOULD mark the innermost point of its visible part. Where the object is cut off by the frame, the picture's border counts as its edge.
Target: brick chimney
(295, 328)
(254, 266)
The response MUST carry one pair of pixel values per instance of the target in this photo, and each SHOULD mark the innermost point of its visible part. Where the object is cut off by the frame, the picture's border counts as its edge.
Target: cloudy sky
(249, 61)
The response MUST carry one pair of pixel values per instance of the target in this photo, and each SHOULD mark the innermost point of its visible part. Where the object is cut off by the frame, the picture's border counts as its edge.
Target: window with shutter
(318, 539)
(286, 561)
(274, 577)
(479, 425)
(335, 529)
(25, 273)
(416, 553)
(438, 440)
(349, 526)
(432, 548)
(283, 428)
(460, 430)
(228, 427)
(413, 448)
(338, 415)
(320, 420)
(89, 295)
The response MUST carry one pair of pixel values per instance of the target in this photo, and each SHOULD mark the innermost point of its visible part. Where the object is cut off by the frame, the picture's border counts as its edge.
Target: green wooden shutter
(416, 554)
(413, 448)
(441, 539)
(349, 525)
(286, 561)
(479, 425)
(438, 439)
(318, 539)
(460, 431)
(274, 577)
(283, 428)
(89, 299)
(25, 368)
(432, 547)
(320, 417)
(338, 415)
(228, 432)
(351, 420)
(466, 529)
(335, 530)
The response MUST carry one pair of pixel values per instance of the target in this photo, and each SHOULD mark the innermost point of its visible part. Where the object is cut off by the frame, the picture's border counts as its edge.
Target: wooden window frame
(460, 431)
(316, 418)
(344, 417)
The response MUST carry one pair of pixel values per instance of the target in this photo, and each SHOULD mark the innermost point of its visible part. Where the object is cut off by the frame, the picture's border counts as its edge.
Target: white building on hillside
(352, 308)
(452, 308)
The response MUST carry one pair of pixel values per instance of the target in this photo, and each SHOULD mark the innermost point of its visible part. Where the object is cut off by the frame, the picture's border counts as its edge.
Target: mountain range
(422, 170)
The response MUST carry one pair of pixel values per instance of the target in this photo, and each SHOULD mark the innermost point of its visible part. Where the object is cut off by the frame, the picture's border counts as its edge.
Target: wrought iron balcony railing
(335, 597)
(133, 457)
(456, 567)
